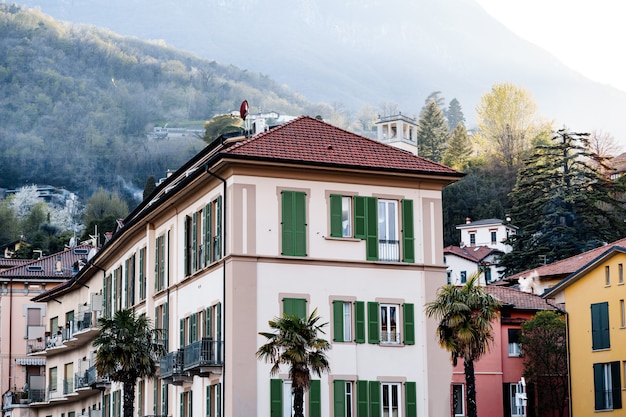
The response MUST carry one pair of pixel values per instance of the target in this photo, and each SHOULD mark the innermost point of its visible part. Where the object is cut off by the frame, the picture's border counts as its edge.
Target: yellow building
(596, 317)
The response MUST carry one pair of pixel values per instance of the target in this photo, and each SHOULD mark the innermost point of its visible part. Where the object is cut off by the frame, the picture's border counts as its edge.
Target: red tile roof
(306, 139)
(472, 253)
(519, 300)
(567, 266)
(46, 267)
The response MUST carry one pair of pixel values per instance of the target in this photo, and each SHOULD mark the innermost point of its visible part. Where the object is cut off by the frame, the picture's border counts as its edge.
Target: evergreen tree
(454, 114)
(432, 132)
(562, 204)
(459, 149)
(150, 186)
(437, 98)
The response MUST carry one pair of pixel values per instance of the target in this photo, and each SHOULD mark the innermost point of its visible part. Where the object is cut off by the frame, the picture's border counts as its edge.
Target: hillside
(353, 52)
(77, 102)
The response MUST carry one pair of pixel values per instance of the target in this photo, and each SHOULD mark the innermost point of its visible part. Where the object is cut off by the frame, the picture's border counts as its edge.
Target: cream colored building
(304, 216)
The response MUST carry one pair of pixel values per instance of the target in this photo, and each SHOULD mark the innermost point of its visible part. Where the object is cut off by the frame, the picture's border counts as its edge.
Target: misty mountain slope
(358, 52)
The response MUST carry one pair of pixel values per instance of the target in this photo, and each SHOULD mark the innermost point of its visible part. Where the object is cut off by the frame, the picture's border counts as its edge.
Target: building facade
(304, 216)
(594, 298)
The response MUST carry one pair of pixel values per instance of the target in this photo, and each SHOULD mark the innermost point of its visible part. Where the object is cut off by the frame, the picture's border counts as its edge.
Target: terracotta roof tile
(46, 267)
(306, 139)
(518, 299)
(567, 266)
(472, 253)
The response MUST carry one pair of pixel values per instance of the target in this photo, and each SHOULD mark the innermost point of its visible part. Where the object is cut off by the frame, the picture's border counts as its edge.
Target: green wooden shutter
(182, 333)
(315, 402)
(276, 398)
(218, 400)
(338, 321)
(186, 253)
(193, 327)
(194, 242)
(190, 403)
(294, 307)
(362, 399)
(182, 404)
(373, 327)
(374, 392)
(598, 386)
(339, 398)
(410, 396)
(359, 217)
(162, 264)
(600, 326)
(371, 238)
(206, 246)
(336, 229)
(408, 314)
(105, 290)
(408, 232)
(208, 329)
(209, 247)
(127, 282)
(288, 232)
(359, 322)
(616, 388)
(208, 402)
(142, 289)
(218, 321)
(165, 323)
(218, 228)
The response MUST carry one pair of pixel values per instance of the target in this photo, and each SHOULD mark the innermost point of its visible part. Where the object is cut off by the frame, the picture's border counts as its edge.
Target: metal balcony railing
(389, 250)
(171, 364)
(205, 352)
(68, 386)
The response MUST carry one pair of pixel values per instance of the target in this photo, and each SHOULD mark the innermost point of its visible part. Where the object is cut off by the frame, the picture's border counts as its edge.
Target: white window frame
(461, 399)
(388, 230)
(517, 410)
(346, 216)
(391, 399)
(347, 321)
(389, 323)
(349, 400)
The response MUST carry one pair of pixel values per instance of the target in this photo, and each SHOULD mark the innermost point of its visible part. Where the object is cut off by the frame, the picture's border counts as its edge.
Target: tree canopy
(563, 204)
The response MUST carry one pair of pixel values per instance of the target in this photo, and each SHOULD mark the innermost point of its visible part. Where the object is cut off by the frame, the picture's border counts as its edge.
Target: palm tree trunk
(129, 399)
(298, 402)
(470, 386)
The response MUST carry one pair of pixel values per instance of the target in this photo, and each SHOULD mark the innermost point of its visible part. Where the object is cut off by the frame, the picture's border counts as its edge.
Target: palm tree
(127, 349)
(295, 343)
(464, 329)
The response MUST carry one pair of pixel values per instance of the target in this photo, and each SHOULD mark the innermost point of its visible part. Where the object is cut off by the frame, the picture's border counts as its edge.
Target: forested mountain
(77, 102)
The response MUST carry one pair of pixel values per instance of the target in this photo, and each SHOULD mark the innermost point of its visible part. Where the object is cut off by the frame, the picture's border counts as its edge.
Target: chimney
(468, 220)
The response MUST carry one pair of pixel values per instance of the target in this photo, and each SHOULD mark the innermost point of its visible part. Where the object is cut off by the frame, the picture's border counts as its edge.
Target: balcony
(171, 368)
(389, 250)
(204, 357)
(95, 381)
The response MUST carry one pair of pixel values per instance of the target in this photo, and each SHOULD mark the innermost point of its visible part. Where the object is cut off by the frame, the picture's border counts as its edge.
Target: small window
(515, 349)
(391, 398)
(622, 313)
(620, 272)
(342, 321)
(472, 239)
(463, 277)
(52, 381)
(389, 331)
(458, 400)
(494, 237)
(607, 275)
(341, 216)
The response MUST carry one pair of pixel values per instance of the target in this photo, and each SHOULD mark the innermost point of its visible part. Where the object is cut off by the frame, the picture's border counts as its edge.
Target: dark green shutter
(408, 232)
(359, 322)
(338, 321)
(205, 235)
(374, 393)
(208, 329)
(287, 223)
(194, 242)
(598, 386)
(371, 235)
(336, 229)
(208, 401)
(339, 398)
(182, 333)
(616, 388)
(142, 288)
(359, 217)
(362, 399)
(209, 245)
(218, 400)
(276, 398)
(165, 323)
(293, 223)
(600, 326)
(162, 266)
(408, 314)
(410, 395)
(373, 327)
(294, 307)
(218, 228)
(218, 321)
(182, 404)
(193, 328)
(315, 402)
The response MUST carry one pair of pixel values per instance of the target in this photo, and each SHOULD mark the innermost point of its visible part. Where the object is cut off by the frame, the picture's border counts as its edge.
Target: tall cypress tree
(563, 204)
(432, 132)
(459, 149)
(454, 114)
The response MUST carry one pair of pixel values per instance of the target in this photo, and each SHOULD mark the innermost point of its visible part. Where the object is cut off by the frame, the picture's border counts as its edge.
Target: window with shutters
(203, 237)
(295, 307)
(600, 336)
(342, 321)
(293, 223)
(117, 289)
(341, 216)
(161, 322)
(213, 400)
(142, 274)
(607, 386)
(343, 398)
(385, 326)
(129, 279)
(160, 405)
(375, 398)
(387, 227)
(282, 402)
(159, 267)
(186, 404)
(53, 379)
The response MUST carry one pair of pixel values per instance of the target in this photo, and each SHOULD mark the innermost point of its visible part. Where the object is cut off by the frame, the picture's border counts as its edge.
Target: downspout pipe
(224, 213)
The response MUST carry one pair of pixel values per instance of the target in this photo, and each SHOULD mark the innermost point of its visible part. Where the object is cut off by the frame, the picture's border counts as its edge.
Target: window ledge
(344, 239)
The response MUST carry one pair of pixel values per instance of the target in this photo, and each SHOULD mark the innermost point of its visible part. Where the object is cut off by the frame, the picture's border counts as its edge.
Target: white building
(300, 217)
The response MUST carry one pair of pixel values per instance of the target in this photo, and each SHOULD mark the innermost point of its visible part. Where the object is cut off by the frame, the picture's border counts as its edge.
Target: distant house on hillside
(482, 242)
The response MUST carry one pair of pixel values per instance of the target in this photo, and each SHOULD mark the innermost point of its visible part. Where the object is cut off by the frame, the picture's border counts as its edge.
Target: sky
(586, 35)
